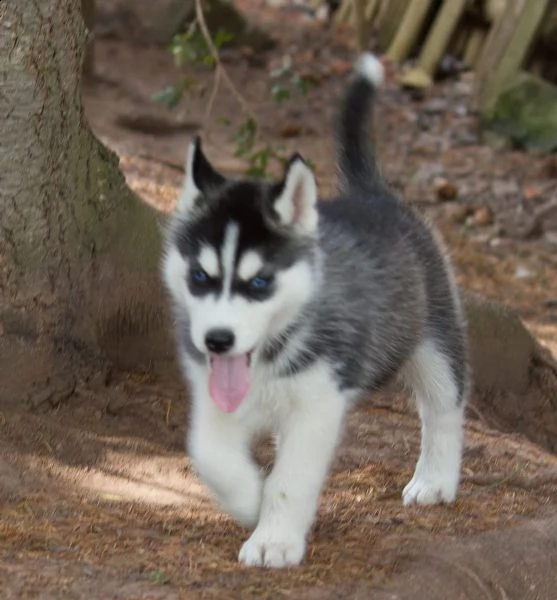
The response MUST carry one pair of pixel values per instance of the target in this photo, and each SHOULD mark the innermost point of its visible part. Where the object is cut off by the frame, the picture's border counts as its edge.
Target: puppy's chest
(270, 400)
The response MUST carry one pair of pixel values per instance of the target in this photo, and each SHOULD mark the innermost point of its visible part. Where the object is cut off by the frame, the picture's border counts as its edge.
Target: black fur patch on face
(250, 206)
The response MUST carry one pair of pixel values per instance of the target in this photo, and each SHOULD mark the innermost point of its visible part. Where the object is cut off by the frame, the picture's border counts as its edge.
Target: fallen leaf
(290, 130)
(444, 189)
(483, 216)
(339, 67)
(549, 168)
(531, 192)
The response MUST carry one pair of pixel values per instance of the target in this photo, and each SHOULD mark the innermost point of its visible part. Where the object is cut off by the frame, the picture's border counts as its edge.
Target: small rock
(481, 238)
(465, 138)
(483, 216)
(449, 66)
(435, 106)
(464, 86)
(551, 237)
(505, 187)
(426, 145)
(522, 272)
(427, 172)
(444, 189)
(460, 110)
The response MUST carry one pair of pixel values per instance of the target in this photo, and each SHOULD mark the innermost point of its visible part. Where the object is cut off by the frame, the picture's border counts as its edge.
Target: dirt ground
(97, 498)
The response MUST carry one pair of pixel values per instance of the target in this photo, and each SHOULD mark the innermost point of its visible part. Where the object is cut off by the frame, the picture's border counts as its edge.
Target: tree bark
(89, 13)
(79, 252)
(518, 563)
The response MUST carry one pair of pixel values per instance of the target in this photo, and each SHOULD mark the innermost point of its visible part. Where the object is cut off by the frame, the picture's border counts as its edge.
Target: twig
(216, 84)
(535, 224)
(220, 71)
(477, 414)
(168, 409)
(546, 208)
(526, 482)
(175, 166)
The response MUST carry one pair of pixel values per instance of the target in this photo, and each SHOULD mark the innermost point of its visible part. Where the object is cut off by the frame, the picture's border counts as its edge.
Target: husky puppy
(288, 311)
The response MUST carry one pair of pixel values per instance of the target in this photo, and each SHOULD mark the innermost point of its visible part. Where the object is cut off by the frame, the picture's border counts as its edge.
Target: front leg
(219, 448)
(308, 437)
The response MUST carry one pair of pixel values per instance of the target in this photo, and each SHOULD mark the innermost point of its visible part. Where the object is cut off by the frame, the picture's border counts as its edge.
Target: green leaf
(280, 92)
(222, 37)
(276, 73)
(245, 137)
(259, 161)
(170, 96)
(158, 577)
(300, 83)
(191, 48)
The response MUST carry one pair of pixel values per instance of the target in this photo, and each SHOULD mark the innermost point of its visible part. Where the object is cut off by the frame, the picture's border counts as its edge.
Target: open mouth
(229, 379)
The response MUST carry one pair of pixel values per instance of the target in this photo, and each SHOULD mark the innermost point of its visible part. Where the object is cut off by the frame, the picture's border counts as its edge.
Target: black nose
(219, 341)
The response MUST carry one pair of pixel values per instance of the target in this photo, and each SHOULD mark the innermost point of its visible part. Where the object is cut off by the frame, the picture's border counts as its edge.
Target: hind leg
(441, 408)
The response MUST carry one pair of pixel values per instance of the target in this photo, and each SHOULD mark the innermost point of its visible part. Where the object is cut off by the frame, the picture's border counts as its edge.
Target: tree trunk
(79, 252)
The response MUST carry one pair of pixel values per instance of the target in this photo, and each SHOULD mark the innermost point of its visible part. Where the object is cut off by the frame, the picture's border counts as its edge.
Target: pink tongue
(229, 381)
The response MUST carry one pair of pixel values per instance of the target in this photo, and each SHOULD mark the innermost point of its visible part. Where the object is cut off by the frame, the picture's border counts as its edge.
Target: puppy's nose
(219, 341)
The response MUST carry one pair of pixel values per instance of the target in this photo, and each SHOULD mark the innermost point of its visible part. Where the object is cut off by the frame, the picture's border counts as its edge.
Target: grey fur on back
(385, 284)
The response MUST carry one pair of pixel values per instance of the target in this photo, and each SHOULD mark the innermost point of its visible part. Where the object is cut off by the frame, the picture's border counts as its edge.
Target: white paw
(274, 547)
(429, 488)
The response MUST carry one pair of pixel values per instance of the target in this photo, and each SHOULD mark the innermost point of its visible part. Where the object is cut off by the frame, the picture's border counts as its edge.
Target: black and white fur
(358, 291)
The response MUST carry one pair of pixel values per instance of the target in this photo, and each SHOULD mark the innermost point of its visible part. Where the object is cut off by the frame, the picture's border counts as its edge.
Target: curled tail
(358, 171)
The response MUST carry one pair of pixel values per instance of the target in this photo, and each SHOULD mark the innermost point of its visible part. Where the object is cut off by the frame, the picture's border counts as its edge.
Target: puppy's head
(239, 261)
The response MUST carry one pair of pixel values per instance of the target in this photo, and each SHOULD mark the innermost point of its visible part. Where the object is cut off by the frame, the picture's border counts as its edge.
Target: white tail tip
(370, 67)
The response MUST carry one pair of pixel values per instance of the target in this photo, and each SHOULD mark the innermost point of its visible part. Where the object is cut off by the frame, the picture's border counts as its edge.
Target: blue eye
(199, 276)
(259, 284)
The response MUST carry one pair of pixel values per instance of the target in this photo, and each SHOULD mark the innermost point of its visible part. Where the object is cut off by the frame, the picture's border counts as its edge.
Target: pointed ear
(296, 202)
(200, 178)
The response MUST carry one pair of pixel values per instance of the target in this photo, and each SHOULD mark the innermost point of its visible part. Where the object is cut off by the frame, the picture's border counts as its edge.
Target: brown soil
(97, 496)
